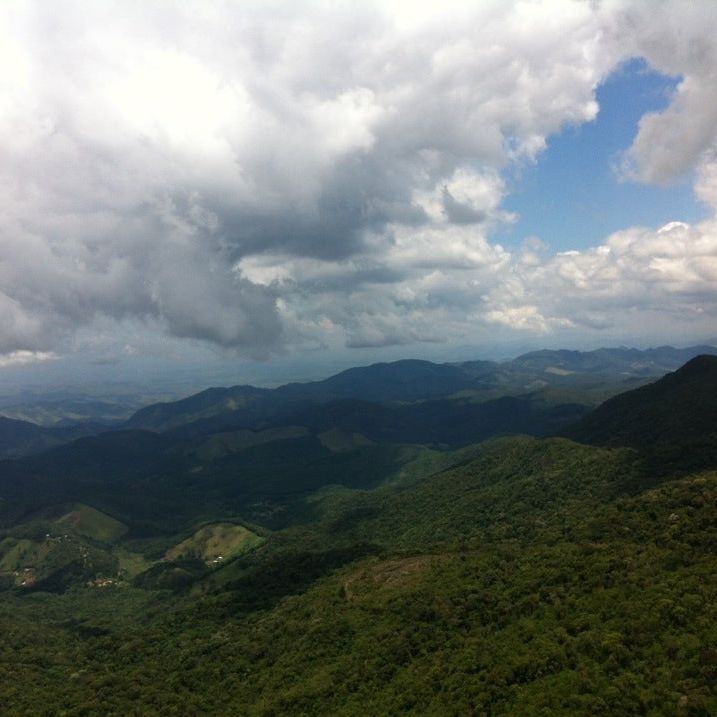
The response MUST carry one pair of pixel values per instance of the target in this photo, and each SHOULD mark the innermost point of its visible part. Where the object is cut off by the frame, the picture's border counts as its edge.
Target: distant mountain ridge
(415, 380)
(22, 438)
(52, 413)
(414, 400)
(647, 362)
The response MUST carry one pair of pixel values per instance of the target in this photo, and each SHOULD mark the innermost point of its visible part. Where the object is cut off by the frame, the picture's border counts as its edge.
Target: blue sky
(573, 196)
(221, 192)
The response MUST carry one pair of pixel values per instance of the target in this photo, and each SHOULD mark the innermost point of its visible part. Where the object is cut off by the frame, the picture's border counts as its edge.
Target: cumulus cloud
(677, 39)
(667, 278)
(255, 175)
(640, 280)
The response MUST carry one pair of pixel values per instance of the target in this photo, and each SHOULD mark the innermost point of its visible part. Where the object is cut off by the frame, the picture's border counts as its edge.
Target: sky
(244, 190)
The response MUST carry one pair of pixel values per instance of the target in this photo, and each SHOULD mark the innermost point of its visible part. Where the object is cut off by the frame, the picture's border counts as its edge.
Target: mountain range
(545, 388)
(591, 376)
(380, 542)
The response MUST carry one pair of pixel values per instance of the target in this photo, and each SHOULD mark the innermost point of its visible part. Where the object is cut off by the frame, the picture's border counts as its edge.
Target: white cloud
(706, 184)
(676, 39)
(20, 358)
(640, 278)
(252, 174)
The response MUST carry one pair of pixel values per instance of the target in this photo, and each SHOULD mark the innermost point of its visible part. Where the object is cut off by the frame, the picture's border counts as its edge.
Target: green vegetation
(92, 523)
(15, 553)
(225, 444)
(520, 576)
(216, 543)
(679, 407)
(338, 440)
(131, 564)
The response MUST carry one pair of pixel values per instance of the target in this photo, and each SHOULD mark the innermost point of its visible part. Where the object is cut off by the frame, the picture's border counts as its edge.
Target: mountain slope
(212, 402)
(673, 416)
(19, 438)
(516, 583)
(22, 438)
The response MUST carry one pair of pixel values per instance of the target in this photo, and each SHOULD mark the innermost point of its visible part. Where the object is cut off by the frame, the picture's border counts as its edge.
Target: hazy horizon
(148, 381)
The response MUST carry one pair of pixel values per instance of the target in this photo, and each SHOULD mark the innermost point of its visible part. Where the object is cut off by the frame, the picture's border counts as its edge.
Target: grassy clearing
(16, 554)
(92, 523)
(132, 564)
(216, 542)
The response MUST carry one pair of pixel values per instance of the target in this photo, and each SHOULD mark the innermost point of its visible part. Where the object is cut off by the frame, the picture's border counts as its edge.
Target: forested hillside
(322, 569)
